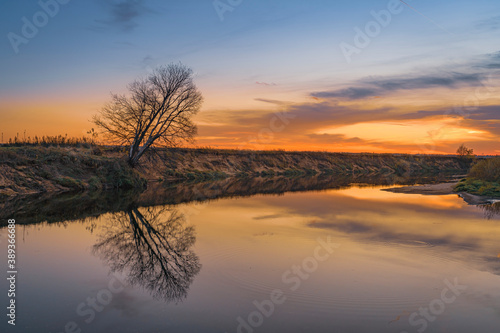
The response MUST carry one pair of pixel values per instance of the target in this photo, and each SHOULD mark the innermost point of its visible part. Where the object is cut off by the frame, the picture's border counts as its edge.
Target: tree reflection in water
(152, 246)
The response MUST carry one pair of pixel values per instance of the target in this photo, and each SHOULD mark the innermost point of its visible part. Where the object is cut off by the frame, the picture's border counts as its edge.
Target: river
(345, 259)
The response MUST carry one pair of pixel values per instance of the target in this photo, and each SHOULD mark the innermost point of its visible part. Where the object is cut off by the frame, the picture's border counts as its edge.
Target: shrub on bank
(479, 187)
(487, 170)
(483, 179)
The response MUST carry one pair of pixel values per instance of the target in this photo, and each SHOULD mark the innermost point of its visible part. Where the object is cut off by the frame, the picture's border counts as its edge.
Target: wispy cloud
(379, 86)
(492, 23)
(449, 76)
(272, 101)
(329, 138)
(122, 14)
(490, 61)
(448, 80)
(351, 93)
(266, 84)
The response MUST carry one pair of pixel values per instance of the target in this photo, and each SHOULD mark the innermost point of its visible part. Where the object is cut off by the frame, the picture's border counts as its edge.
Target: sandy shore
(428, 189)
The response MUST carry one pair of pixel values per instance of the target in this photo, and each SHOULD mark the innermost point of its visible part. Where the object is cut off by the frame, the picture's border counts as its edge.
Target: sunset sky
(330, 75)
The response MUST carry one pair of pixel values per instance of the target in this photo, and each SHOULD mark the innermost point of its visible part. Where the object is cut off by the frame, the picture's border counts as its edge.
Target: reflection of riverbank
(74, 206)
(491, 210)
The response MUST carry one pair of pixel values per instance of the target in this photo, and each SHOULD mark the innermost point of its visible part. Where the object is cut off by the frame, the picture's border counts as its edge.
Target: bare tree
(464, 151)
(157, 111)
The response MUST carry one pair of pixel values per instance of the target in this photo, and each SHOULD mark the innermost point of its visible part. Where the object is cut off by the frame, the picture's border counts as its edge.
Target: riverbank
(30, 170)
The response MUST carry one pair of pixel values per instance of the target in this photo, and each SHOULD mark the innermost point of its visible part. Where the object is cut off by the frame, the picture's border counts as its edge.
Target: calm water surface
(346, 260)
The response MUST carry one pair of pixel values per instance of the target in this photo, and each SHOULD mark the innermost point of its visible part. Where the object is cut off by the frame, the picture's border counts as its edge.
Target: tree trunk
(134, 159)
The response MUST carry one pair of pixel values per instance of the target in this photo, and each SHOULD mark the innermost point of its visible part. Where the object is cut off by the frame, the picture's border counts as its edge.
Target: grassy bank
(36, 169)
(211, 163)
(483, 179)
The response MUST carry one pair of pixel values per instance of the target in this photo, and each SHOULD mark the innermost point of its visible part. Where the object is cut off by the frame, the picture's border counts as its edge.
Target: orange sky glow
(277, 81)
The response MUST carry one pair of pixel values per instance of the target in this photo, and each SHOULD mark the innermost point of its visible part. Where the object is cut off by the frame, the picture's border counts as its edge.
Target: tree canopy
(157, 111)
(463, 150)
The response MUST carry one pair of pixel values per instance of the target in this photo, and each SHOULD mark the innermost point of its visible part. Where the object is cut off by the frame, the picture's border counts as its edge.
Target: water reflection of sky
(395, 252)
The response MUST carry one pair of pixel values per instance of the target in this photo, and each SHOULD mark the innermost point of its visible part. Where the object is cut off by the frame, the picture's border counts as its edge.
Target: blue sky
(280, 50)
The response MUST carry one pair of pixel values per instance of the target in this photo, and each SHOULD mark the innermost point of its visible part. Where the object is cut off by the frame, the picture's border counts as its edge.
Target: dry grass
(48, 141)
